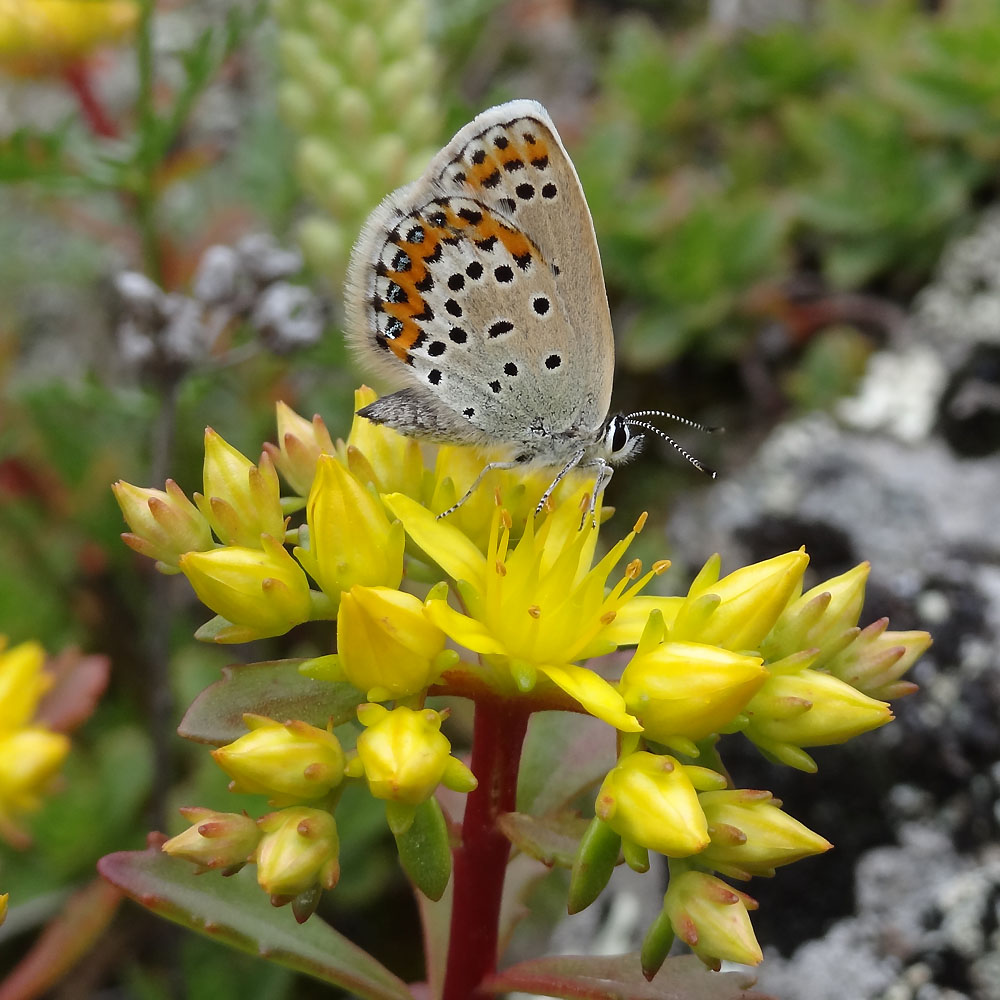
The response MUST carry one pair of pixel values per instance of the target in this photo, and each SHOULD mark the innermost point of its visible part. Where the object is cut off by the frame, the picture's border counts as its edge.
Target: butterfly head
(619, 442)
(620, 439)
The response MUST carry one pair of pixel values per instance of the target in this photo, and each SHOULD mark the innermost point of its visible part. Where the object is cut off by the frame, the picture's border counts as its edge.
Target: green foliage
(860, 137)
(238, 913)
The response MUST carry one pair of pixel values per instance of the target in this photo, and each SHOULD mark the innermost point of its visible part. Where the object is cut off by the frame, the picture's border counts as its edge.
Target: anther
(633, 569)
(641, 523)
(505, 519)
(661, 566)
(584, 504)
(535, 611)
(608, 617)
(497, 498)
(501, 569)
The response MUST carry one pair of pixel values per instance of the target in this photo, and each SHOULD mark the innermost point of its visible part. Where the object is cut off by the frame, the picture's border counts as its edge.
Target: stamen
(641, 523)
(584, 504)
(633, 569)
(660, 566)
(497, 497)
(535, 611)
(500, 568)
(506, 520)
(608, 617)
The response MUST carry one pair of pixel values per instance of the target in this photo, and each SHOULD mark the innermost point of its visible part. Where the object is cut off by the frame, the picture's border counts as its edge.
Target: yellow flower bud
(388, 459)
(688, 689)
(215, 839)
(404, 755)
(712, 919)
(386, 643)
(300, 443)
(877, 659)
(650, 801)
(751, 835)
(29, 759)
(824, 618)
(23, 681)
(351, 540)
(242, 501)
(298, 851)
(4, 899)
(809, 709)
(261, 591)
(751, 599)
(164, 523)
(288, 762)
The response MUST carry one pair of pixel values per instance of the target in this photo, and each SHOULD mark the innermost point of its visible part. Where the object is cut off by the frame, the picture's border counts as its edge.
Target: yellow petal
(446, 545)
(593, 692)
(464, 630)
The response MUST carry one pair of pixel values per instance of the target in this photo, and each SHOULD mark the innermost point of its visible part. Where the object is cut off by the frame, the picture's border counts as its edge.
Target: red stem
(77, 77)
(481, 861)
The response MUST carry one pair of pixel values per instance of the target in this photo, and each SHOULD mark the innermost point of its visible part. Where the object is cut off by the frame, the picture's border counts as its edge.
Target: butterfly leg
(604, 473)
(487, 469)
(568, 467)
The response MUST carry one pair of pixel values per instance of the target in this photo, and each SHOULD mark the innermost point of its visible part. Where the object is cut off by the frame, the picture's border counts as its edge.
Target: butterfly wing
(479, 288)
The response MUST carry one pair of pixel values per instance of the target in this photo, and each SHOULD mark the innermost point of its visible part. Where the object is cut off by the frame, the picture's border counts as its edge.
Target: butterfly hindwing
(479, 286)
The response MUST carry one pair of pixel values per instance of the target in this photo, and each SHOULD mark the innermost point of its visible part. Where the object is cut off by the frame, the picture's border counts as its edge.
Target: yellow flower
(258, 591)
(288, 762)
(29, 760)
(164, 523)
(808, 709)
(386, 644)
(215, 839)
(351, 541)
(456, 468)
(651, 801)
(688, 689)
(300, 443)
(241, 501)
(534, 608)
(712, 919)
(30, 754)
(23, 681)
(404, 756)
(752, 835)
(376, 454)
(299, 850)
(39, 36)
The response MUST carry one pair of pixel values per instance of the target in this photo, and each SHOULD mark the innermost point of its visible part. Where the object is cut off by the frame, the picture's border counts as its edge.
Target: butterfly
(478, 290)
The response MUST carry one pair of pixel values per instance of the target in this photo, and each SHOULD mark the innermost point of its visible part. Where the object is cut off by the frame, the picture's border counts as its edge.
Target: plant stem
(481, 860)
(147, 151)
(77, 77)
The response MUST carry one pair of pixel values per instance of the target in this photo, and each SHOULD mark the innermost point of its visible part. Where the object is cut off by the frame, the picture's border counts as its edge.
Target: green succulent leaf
(236, 912)
(275, 689)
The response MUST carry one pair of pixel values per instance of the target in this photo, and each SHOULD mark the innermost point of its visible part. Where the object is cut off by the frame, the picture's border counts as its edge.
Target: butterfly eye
(617, 435)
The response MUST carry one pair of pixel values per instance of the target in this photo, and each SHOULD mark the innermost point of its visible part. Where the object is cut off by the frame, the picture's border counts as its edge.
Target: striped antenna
(711, 473)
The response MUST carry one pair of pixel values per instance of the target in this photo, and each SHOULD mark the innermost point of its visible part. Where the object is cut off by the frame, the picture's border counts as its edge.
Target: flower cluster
(30, 753)
(401, 754)
(516, 608)
(358, 87)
